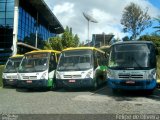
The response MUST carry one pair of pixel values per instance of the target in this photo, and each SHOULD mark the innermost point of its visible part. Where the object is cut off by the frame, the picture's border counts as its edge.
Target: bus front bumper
(133, 85)
(9, 82)
(32, 83)
(76, 83)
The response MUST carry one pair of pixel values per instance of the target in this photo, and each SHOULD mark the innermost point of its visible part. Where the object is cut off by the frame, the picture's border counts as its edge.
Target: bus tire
(4, 85)
(95, 85)
(114, 90)
(149, 92)
(54, 87)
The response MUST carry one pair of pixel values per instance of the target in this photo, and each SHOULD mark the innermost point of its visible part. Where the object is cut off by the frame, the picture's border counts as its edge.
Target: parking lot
(101, 101)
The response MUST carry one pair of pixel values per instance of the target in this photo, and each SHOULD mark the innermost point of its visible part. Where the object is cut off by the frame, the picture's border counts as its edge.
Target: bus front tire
(114, 90)
(95, 85)
(149, 92)
(4, 85)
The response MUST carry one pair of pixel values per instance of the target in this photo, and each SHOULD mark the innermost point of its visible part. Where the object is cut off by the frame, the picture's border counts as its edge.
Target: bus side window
(52, 63)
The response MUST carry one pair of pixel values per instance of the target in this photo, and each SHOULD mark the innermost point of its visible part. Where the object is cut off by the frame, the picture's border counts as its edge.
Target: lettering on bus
(40, 55)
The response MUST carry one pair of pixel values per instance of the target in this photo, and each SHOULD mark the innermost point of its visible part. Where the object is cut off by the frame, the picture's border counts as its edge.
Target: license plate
(130, 82)
(29, 81)
(72, 81)
(11, 80)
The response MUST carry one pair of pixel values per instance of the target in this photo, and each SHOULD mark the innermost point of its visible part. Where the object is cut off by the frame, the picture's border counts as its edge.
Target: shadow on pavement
(32, 90)
(79, 89)
(128, 95)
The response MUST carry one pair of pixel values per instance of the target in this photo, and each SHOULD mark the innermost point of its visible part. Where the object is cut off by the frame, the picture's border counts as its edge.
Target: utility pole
(89, 19)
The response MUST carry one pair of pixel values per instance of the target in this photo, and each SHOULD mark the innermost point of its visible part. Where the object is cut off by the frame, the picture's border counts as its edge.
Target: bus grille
(29, 77)
(126, 76)
(72, 76)
(12, 77)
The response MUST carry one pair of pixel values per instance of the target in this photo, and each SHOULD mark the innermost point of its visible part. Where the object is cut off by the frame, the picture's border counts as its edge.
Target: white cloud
(108, 13)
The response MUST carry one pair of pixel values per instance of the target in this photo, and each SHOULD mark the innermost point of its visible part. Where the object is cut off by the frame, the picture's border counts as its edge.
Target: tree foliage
(68, 39)
(157, 27)
(54, 43)
(155, 38)
(135, 20)
(76, 40)
(126, 38)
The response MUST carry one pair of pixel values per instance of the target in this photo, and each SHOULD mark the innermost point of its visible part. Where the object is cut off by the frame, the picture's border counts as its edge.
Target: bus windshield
(34, 62)
(76, 60)
(132, 56)
(12, 65)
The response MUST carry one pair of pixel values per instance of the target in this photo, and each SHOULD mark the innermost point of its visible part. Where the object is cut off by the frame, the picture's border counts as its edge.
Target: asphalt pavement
(101, 101)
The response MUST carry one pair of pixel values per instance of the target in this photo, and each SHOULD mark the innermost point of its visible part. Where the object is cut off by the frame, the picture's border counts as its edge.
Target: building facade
(24, 26)
(99, 40)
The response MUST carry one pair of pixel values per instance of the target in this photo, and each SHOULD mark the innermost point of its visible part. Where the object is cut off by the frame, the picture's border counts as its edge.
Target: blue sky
(108, 14)
(155, 3)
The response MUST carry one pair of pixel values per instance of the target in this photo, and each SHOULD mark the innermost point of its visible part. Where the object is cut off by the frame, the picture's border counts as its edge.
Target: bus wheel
(54, 87)
(95, 85)
(4, 85)
(114, 90)
(149, 92)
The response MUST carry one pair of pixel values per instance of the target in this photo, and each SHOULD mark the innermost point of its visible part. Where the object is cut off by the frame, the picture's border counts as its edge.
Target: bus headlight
(43, 76)
(58, 75)
(109, 74)
(89, 74)
(152, 75)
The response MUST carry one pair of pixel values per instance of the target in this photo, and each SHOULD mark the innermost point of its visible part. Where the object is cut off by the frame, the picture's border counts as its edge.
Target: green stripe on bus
(103, 68)
(50, 81)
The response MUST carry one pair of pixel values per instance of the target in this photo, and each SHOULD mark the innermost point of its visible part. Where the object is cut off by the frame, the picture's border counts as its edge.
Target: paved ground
(22, 101)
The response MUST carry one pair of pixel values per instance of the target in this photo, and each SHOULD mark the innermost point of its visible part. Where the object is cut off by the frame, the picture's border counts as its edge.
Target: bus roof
(83, 48)
(41, 51)
(134, 42)
(16, 56)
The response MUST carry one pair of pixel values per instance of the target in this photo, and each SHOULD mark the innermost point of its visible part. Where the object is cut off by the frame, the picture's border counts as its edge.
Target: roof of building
(102, 37)
(83, 48)
(54, 25)
(43, 51)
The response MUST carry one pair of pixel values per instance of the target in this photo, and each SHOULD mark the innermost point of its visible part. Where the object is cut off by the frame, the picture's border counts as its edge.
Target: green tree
(157, 27)
(55, 43)
(76, 40)
(135, 20)
(126, 38)
(68, 39)
(155, 38)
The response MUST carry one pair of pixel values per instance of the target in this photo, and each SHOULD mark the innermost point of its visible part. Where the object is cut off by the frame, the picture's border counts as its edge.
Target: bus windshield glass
(76, 60)
(34, 62)
(132, 56)
(12, 65)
